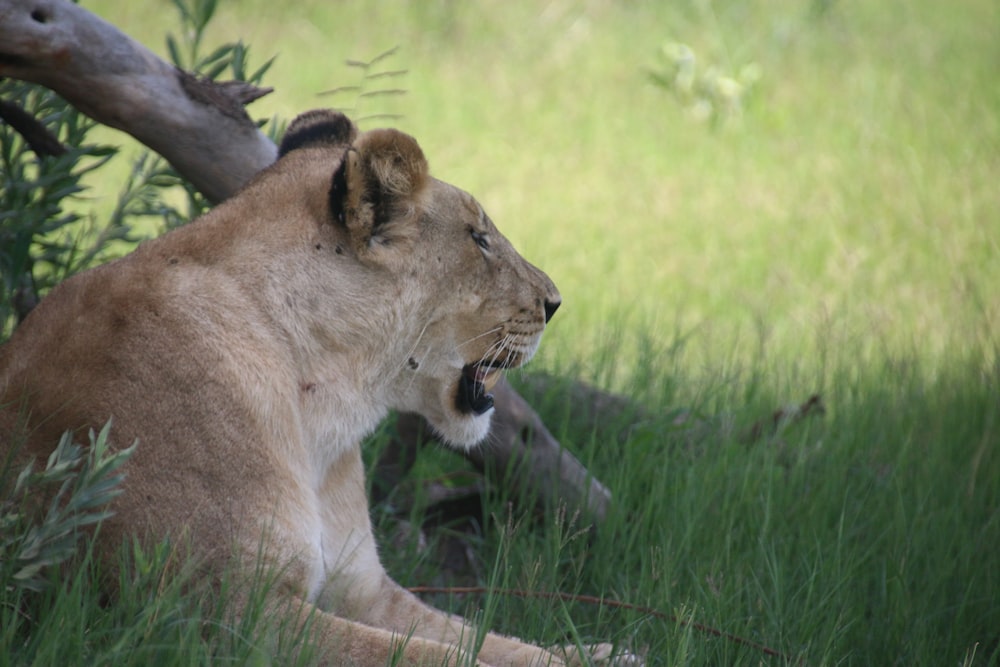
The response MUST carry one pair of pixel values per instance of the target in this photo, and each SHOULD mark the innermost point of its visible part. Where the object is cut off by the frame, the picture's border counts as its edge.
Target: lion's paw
(603, 655)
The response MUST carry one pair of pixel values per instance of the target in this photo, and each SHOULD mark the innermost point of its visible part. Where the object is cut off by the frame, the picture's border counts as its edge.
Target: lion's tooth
(491, 379)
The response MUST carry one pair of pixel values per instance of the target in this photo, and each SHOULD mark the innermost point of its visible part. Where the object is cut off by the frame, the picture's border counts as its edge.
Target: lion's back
(119, 341)
(124, 343)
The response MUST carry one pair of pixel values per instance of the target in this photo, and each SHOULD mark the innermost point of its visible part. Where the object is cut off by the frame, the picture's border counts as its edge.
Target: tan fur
(250, 351)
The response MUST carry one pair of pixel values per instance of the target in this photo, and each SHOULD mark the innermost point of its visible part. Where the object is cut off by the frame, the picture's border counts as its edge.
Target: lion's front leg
(341, 641)
(400, 609)
(358, 588)
(496, 649)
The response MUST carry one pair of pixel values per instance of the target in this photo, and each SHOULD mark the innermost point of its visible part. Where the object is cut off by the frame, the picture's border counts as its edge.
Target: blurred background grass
(853, 203)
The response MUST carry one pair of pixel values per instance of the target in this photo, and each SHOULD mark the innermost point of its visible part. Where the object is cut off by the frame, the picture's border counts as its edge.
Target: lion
(251, 351)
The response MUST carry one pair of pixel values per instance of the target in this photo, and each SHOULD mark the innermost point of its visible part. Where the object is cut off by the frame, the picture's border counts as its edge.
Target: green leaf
(175, 53)
(214, 71)
(224, 52)
(258, 75)
(204, 9)
(181, 7)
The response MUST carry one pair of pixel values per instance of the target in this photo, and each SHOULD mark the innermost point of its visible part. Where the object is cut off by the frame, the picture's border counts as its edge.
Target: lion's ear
(382, 178)
(320, 127)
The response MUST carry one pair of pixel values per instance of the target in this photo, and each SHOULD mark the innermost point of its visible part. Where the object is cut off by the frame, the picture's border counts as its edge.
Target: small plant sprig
(88, 478)
(370, 85)
(707, 92)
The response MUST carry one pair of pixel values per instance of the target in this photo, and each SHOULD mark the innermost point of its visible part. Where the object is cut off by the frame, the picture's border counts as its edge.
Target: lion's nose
(550, 309)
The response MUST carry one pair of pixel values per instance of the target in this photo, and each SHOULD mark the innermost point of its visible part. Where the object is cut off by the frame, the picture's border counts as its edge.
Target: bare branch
(39, 139)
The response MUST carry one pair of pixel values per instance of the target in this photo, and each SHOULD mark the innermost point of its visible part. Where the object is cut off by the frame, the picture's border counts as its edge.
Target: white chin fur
(465, 431)
(435, 401)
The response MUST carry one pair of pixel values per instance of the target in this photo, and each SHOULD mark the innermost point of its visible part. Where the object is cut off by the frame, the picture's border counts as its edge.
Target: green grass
(866, 537)
(159, 618)
(840, 237)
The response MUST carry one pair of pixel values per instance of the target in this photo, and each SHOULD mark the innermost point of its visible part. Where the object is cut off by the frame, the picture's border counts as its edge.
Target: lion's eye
(481, 240)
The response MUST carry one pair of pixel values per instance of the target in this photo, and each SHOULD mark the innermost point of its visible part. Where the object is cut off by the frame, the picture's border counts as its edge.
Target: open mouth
(474, 388)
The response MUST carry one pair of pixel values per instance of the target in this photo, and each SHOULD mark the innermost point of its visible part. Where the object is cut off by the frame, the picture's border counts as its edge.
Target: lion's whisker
(477, 337)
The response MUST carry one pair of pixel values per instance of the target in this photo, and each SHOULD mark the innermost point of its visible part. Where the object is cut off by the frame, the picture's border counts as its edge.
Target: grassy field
(839, 234)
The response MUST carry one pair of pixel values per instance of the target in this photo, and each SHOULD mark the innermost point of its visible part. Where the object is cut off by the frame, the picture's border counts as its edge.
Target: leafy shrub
(41, 240)
(43, 237)
(85, 481)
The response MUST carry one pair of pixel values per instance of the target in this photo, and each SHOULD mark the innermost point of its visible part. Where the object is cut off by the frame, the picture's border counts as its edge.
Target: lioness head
(465, 305)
